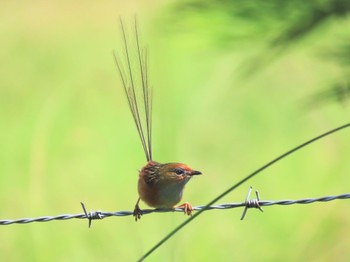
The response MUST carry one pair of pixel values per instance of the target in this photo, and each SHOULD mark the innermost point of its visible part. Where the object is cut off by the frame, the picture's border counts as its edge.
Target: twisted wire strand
(255, 203)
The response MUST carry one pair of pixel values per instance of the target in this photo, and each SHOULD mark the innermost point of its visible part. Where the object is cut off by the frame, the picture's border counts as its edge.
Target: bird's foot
(187, 207)
(137, 212)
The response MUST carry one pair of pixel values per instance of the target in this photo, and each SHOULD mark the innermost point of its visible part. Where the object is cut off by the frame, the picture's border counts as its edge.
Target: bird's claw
(137, 212)
(187, 207)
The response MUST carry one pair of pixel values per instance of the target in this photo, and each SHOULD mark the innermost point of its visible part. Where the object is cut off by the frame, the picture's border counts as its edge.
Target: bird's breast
(161, 195)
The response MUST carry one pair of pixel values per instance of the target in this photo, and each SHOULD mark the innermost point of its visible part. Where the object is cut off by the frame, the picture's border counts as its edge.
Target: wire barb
(251, 203)
(92, 214)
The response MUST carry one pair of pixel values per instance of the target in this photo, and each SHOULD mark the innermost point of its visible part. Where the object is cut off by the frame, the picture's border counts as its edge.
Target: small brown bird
(159, 185)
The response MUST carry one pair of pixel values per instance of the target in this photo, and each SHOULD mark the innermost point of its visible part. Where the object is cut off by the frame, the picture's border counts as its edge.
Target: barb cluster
(248, 203)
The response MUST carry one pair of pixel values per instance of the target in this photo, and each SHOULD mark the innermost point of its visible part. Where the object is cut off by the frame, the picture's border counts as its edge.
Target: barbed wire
(248, 203)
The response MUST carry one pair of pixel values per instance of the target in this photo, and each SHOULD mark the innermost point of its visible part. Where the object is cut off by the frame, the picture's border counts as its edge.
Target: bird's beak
(195, 172)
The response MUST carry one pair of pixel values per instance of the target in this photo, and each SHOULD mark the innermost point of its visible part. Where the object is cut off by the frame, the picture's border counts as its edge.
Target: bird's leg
(137, 211)
(187, 207)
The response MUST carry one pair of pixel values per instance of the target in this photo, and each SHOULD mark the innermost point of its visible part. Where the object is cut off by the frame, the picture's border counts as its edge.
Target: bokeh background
(236, 83)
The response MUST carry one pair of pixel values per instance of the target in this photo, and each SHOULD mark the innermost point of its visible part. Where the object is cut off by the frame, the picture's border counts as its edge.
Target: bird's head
(169, 173)
(176, 172)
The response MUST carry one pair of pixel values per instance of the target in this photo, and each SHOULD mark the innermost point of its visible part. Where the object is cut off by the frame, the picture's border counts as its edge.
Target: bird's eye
(179, 171)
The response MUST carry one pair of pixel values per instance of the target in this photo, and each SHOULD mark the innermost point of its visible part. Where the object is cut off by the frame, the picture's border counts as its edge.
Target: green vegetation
(234, 86)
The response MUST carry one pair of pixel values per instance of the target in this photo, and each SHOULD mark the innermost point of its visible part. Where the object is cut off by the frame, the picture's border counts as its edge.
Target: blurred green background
(236, 83)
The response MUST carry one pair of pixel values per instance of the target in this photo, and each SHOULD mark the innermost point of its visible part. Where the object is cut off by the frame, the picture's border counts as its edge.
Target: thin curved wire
(174, 231)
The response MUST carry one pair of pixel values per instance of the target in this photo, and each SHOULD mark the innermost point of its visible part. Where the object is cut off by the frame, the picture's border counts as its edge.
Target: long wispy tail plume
(135, 81)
